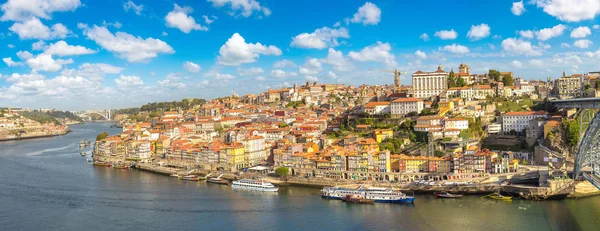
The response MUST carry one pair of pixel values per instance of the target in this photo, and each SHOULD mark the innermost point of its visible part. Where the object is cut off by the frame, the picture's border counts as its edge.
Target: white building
(377, 108)
(403, 106)
(456, 123)
(494, 128)
(428, 84)
(518, 121)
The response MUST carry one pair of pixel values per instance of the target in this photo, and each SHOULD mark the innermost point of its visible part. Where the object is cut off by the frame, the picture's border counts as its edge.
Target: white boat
(256, 185)
(385, 195)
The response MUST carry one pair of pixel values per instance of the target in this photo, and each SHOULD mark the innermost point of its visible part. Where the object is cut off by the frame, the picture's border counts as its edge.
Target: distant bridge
(588, 148)
(105, 114)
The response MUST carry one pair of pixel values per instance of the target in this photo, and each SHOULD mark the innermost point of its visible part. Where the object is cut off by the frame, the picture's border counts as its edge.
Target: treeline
(167, 106)
(64, 115)
(39, 117)
(128, 111)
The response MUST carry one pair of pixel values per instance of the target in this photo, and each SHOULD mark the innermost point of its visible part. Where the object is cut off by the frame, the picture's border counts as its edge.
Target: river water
(46, 185)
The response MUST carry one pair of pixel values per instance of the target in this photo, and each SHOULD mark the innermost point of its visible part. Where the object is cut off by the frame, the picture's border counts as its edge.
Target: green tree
(597, 84)
(572, 131)
(451, 80)
(587, 87)
(460, 82)
(101, 136)
(282, 171)
(508, 80)
(494, 74)
(412, 137)
(283, 125)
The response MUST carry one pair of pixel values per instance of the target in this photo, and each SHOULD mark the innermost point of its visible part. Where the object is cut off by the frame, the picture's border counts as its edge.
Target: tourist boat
(498, 196)
(89, 160)
(256, 185)
(357, 199)
(98, 163)
(190, 177)
(384, 195)
(175, 175)
(217, 180)
(121, 166)
(447, 195)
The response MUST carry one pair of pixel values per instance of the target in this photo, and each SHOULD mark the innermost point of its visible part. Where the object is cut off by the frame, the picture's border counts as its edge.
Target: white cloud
(33, 28)
(10, 46)
(252, 71)
(520, 47)
(93, 71)
(337, 60)
(596, 27)
(209, 19)
(164, 33)
(126, 46)
(565, 45)
(236, 51)
(10, 63)
(61, 48)
(424, 36)
(332, 75)
(420, 54)
(526, 34)
(457, 49)
(24, 55)
(125, 81)
(260, 78)
(548, 33)
(516, 64)
(39, 45)
(45, 62)
(320, 39)
(172, 81)
(582, 43)
(284, 63)
(379, 52)
(219, 76)
(179, 18)
(282, 74)
(191, 67)
(446, 34)
(536, 63)
(129, 5)
(312, 66)
(581, 32)
(311, 78)
(115, 24)
(244, 8)
(517, 8)
(21, 10)
(368, 14)
(570, 10)
(478, 32)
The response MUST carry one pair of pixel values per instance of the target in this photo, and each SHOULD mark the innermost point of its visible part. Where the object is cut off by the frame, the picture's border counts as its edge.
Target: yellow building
(382, 134)
(235, 155)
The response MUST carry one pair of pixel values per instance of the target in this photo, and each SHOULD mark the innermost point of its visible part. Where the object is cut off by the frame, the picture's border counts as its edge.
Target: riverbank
(526, 192)
(36, 135)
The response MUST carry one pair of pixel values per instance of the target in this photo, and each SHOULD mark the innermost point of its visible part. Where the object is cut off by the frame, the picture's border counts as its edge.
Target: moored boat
(381, 195)
(498, 196)
(98, 163)
(217, 180)
(447, 195)
(190, 178)
(256, 185)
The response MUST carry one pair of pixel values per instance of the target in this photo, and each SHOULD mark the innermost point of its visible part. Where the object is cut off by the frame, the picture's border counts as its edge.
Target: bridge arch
(106, 117)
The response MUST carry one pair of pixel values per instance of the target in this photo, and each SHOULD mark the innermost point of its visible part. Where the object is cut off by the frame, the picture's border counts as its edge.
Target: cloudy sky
(85, 54)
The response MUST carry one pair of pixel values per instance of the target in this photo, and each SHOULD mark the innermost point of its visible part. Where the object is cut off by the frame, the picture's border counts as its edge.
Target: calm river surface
(46, 185)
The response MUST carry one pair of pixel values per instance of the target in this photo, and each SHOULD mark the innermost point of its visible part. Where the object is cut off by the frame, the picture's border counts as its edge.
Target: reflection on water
(45, 184)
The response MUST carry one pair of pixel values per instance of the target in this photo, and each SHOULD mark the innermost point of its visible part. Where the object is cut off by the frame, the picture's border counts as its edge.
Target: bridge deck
(577, 103)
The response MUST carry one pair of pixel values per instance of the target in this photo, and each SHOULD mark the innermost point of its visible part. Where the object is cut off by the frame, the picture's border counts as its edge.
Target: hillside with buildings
(446, 122)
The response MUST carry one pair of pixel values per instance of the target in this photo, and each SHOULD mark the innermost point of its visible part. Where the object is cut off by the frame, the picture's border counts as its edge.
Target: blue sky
(83, 54)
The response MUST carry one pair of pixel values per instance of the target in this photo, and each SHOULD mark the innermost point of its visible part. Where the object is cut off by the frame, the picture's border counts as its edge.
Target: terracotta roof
(403, 100)
(524, 113)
